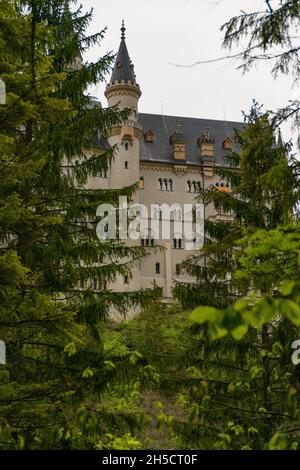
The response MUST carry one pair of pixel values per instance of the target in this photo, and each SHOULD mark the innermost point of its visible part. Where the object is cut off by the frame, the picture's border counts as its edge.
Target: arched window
(177, 242)
(126, 279)
(126, 165)
(103, 173)
(165, 184)
(126, 145)
(157, 268)
(142, 183)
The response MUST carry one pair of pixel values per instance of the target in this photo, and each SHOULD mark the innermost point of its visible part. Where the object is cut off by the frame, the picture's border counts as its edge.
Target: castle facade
(171, 158)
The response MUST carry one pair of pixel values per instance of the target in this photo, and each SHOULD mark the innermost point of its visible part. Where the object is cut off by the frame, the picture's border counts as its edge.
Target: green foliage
(126, 442)
(51, 316)
(263, 193)
(265, 30)
(243, 389)
(269, 36)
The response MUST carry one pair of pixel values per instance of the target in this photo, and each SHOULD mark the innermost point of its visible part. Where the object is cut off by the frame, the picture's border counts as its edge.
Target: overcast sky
(162, 32)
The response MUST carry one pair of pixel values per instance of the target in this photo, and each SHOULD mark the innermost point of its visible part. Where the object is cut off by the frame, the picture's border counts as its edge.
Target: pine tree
(51, 259)
(263, 192)
(268, 35)
(246, 393)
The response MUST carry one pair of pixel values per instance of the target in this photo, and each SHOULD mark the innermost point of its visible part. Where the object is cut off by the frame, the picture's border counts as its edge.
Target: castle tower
(123, 91)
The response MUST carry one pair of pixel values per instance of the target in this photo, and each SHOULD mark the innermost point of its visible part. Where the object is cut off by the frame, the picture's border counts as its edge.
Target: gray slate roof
(192, 128)
(123, 69)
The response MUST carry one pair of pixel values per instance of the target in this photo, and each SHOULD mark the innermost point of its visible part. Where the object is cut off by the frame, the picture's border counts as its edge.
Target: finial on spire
(280, 141)
(207, 133)
(178, 126)
(123, 29)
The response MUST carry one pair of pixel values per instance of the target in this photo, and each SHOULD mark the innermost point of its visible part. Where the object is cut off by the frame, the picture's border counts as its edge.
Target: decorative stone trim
(123, 88)
(136, 132)
(177, 169)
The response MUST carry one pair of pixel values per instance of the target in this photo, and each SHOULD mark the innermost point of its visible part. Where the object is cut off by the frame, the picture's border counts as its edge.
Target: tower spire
(280, 141)
(123, 29)
(123, 68)
(123, 89)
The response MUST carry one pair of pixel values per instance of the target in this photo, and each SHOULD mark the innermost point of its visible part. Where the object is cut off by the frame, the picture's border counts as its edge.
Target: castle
(171, 158)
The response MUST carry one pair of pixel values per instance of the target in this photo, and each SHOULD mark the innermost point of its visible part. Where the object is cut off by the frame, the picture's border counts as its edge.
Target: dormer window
(178, 142)
(149, 137)
(201, 140)
(206, 145)
(227, 144)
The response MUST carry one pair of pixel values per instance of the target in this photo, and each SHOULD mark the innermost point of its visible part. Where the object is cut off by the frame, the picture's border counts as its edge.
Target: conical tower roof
(123, 69)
